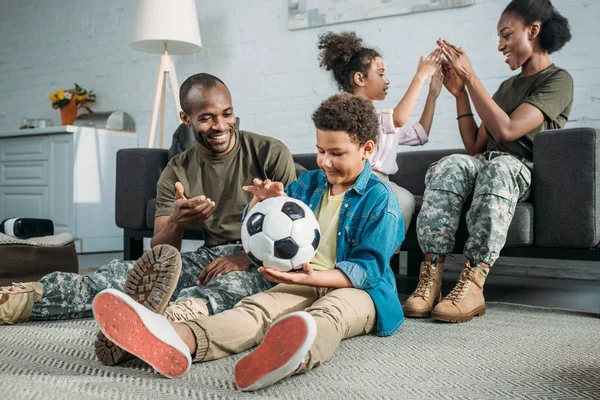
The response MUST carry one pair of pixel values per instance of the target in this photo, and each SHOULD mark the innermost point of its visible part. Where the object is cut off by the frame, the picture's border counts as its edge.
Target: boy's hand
(429, 65)
(437, 80)
(265, 189)
(190, 211)
(223, 265)
(304, 277)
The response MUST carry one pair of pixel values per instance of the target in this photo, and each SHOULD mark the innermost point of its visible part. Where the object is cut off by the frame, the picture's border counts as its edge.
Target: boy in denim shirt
(347, 290)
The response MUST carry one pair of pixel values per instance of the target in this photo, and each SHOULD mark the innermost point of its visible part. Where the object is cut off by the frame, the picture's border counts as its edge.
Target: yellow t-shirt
(327, 213)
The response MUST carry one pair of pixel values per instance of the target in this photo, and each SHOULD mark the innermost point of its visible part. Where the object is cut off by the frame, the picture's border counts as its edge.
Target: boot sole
(151, 282)
(437, 316)
(279, 355)
(139, 332)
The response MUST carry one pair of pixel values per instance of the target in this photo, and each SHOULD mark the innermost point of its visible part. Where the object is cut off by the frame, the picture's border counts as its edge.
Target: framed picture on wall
(304, 14)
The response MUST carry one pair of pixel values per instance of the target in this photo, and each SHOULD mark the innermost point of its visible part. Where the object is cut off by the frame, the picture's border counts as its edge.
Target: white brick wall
(273, 73)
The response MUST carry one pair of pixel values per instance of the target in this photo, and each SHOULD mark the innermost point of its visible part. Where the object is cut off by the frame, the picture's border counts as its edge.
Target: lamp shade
(171, 22)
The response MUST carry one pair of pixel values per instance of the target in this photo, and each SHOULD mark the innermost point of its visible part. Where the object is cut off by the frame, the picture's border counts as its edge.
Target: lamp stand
(166, 67)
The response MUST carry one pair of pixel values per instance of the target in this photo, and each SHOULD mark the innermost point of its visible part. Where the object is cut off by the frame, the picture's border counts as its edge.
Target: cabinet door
(23, 201)
(61, 206)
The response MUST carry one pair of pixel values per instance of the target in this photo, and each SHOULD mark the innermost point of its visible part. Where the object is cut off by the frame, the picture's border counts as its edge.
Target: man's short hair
(202, 80)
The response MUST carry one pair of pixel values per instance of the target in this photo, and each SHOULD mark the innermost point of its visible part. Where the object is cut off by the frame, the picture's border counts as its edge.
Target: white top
(383, 158)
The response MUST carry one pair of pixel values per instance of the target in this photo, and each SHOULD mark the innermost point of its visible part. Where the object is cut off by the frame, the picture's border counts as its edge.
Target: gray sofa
(560, 221)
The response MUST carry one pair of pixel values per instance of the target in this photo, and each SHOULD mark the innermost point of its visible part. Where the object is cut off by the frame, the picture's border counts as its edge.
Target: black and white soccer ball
(281, 233)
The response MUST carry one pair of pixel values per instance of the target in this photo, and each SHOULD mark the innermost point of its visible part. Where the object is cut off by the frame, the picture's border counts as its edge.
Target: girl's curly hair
(344, 55)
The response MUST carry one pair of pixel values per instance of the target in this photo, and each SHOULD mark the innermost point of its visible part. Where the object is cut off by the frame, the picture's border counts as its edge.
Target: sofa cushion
(413, 165)
(568, 214)
(300, 169)
(150, 213)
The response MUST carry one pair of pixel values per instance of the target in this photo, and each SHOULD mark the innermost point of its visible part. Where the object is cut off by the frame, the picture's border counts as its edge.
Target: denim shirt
(370, 229)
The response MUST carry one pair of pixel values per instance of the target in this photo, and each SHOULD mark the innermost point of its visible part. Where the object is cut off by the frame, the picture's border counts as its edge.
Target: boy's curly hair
(344, 55)
(351, 114)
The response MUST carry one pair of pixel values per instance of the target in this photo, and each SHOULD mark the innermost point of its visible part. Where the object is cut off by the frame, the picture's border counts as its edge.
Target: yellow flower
(80, 98)
(52, 97)
(60, 94)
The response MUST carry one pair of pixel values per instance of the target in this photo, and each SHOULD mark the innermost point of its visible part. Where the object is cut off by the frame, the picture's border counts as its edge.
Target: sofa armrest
(413, 165)
(566, 188)
(138, 171)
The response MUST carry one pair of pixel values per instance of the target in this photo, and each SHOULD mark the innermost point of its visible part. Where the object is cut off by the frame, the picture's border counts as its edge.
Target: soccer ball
(280, 233)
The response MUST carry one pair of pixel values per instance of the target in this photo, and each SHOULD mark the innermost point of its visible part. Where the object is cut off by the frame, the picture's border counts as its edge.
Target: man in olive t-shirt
(221, 179)
(202, 188)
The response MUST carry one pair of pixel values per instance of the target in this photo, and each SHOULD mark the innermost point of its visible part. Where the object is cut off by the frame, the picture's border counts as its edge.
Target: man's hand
(304, 277)
(190, 211)
(223, 265)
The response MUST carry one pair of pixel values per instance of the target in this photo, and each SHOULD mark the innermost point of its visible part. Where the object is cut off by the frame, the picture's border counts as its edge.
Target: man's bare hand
(190, 211)
(223, 265)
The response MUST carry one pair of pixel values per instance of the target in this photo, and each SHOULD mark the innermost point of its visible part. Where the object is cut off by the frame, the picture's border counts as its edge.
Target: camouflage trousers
(68, 295)
(498, 181)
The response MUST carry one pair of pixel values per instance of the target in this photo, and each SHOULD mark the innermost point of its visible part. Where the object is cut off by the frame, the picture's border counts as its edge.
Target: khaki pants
(405, 199)
(339, 313)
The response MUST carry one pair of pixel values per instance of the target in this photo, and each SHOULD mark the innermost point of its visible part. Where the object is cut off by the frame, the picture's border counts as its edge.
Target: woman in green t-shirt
(497, 170)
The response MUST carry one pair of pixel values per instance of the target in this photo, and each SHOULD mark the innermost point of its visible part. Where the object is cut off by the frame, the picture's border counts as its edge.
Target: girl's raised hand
(437, 80)
(429, 65)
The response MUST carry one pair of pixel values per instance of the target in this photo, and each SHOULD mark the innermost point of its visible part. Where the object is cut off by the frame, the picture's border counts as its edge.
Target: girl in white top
(361, 71)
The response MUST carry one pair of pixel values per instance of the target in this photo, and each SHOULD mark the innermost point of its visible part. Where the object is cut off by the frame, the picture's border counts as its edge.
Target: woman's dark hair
(344, 55)
(351, 114)
(555, 31)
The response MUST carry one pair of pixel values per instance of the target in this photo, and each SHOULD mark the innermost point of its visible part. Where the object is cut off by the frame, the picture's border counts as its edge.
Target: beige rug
(513, 352)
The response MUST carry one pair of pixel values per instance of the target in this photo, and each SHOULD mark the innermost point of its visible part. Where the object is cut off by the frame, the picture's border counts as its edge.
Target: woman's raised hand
(452, 82)
(457, 60)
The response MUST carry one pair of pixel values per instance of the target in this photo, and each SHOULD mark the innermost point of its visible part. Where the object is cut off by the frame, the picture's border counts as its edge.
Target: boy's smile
(340, 158)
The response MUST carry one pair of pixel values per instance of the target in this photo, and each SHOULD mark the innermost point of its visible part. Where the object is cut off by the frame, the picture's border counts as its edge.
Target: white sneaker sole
(141, 332)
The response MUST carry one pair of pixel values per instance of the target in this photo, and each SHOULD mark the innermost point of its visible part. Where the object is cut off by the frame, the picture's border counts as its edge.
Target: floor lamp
(165, 27)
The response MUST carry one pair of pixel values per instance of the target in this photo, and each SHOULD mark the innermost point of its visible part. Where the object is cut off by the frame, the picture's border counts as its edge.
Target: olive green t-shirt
(550, 90)
(221, 180)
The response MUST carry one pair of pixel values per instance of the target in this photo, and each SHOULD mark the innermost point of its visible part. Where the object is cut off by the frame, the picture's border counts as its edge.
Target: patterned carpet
(513, 352)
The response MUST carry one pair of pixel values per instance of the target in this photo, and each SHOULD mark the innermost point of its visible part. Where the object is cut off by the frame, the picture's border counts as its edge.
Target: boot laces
(184, 310)
(462, 286)
(425, 281)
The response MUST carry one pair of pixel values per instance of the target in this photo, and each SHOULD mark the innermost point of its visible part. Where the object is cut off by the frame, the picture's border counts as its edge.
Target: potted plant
(68, 101)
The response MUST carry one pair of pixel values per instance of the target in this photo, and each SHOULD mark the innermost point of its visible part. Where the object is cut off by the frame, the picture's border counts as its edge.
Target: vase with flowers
(68, 101)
